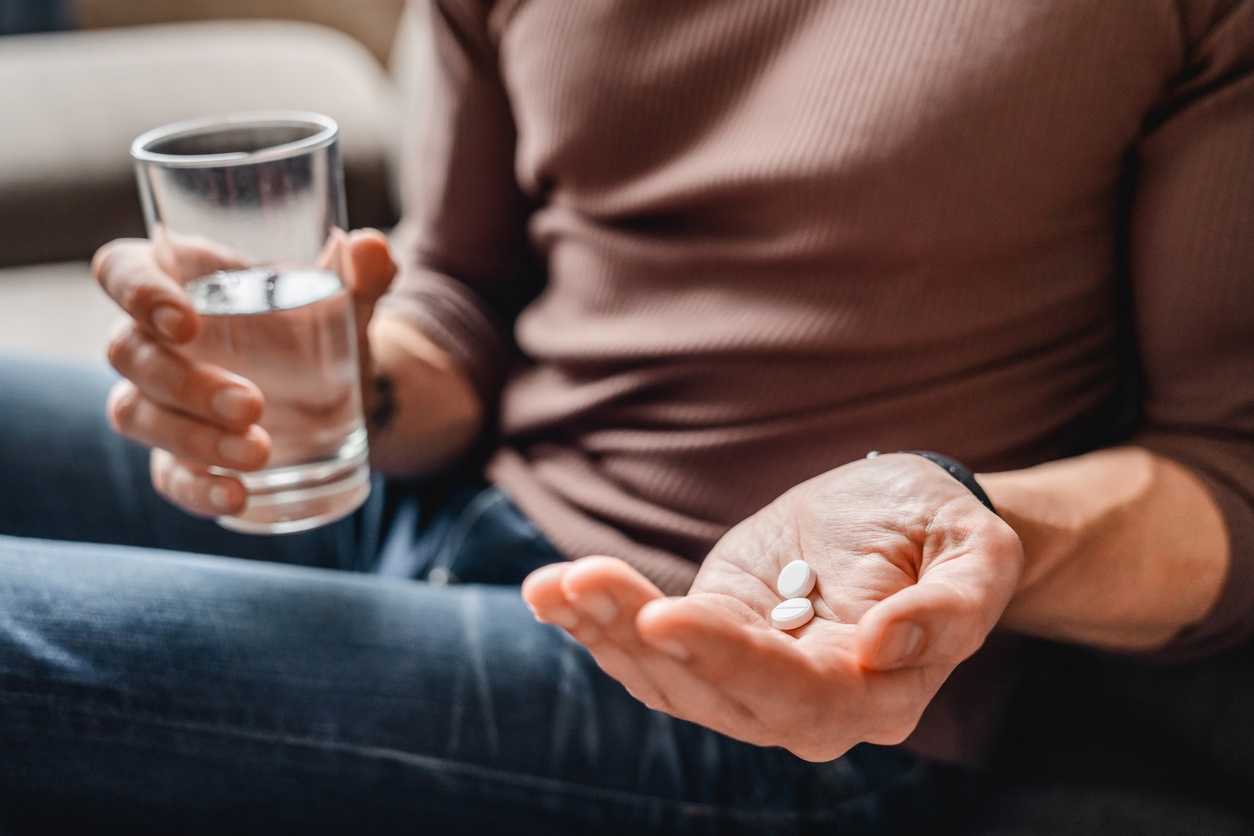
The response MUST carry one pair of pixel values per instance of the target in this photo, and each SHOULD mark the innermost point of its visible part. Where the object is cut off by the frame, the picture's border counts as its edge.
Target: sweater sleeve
(466, 268)
(1191, 262)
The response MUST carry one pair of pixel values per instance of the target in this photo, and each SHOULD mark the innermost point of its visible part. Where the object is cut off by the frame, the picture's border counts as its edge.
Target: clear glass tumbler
(247, 211)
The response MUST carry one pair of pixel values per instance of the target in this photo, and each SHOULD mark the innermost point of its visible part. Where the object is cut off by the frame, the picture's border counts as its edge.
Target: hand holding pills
(828, 618)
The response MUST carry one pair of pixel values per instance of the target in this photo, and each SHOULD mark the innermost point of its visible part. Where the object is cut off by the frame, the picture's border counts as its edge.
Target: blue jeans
(163, 674)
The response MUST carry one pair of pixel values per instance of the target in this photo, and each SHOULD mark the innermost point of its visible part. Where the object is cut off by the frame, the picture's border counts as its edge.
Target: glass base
(302, 497)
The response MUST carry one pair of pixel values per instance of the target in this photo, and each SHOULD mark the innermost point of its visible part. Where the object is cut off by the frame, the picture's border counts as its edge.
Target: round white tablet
(792, 613)
(796, 580)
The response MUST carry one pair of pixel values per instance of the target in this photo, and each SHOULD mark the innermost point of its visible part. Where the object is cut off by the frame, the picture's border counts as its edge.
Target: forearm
(421, 409)
(1123, 548)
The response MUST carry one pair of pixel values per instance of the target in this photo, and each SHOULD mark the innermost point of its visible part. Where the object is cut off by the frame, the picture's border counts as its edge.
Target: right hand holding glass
(197, 415)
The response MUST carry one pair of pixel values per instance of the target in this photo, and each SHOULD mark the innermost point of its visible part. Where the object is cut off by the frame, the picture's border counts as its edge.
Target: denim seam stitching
(465, 523)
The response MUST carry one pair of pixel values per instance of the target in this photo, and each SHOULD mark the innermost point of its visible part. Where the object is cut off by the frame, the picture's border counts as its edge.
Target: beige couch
(372, 22)
(72, 102)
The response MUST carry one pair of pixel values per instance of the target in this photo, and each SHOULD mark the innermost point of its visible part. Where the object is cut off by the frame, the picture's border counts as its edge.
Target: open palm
(912, 571)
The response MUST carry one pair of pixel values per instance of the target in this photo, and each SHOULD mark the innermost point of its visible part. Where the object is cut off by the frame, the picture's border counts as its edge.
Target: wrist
(1045, 518)
(1122, 549)
(424, 410)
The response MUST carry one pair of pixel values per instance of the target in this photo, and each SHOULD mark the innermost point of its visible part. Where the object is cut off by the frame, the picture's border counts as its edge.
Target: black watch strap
(955, 469)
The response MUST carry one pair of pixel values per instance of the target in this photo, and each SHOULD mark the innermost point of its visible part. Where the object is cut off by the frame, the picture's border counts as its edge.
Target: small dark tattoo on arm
(384, 409)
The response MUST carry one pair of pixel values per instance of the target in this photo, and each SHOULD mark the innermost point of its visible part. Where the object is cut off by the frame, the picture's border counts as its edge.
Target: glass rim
(326, 134)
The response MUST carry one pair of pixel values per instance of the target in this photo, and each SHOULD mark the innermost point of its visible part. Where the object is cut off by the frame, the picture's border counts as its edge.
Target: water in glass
(291, 332)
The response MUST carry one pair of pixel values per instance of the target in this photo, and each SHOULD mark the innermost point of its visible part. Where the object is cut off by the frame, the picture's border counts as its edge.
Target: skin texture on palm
(913, 572)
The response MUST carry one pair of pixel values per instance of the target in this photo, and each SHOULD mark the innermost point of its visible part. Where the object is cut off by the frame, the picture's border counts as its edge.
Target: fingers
(704, 661)
(545, 592)
(663, 672)
(137, 416)
(945, 617)
(808, 695)
(129, 273)
(597, 599)
(593, 590)
(611, 595)
(772, 690)
(173, 381)
(370, 266)
(542, 590)
(146, 278)
(927, 624)
(193, 488)
(608, 592)
(724, 649)
(187, 257)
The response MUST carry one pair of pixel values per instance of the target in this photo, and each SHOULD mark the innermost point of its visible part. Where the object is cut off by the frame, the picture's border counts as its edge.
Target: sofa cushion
(74, 101)
(370, 21)
(55, 310)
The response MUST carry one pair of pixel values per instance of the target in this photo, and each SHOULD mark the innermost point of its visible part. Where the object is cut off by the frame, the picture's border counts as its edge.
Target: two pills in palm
(796, 581)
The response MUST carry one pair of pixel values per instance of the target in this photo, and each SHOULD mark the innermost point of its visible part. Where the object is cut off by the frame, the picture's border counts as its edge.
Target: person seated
(667, 274)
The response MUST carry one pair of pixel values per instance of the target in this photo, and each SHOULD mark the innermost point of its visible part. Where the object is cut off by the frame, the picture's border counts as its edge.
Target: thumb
(940, 620)
(369, 268)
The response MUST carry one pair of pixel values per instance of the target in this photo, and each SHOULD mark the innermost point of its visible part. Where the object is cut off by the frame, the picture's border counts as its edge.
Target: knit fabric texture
(696, 253)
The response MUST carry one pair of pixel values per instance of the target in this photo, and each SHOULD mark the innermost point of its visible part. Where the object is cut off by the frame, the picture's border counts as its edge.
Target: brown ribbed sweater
(700, 251)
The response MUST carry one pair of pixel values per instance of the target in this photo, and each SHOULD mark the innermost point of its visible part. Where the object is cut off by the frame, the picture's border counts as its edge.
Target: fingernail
(233, 404)
(238, 449)
(220, 496)
(900, 642)
(600, 606)
(673, 649)
(167, 319)
(562, 617)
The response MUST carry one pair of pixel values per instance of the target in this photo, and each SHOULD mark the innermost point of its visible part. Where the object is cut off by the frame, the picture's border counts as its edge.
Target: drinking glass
(247, 211)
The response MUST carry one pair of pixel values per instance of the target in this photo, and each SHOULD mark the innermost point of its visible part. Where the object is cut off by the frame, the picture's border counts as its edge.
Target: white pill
(796, 580)
(792, 613)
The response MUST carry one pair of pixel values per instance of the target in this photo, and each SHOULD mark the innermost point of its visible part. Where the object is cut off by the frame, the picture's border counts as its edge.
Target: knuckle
(647, 694)
(123, 405)
(120, 345)
(202, 442)
(102, 261)
(182, 485)
(131, 350)
(137, 357)
(159, 462)
(145, 358)
(657, 702)
(186, 388)
(141, 296)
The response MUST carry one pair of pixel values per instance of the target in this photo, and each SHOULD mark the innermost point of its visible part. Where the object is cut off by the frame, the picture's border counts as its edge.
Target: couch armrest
(74, 101)
(372, 22)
